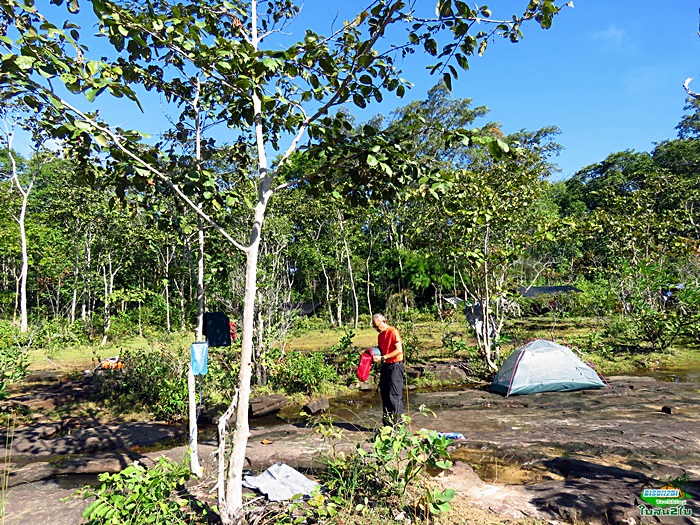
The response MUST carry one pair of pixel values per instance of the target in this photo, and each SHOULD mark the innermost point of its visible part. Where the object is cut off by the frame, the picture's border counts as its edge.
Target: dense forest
(100, 260)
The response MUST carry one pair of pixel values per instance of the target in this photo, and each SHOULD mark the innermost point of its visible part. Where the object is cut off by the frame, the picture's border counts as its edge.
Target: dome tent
(544, 366)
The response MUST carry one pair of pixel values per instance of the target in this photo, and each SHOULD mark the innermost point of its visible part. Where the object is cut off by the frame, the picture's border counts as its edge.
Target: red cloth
(365, 366)
(387, 343)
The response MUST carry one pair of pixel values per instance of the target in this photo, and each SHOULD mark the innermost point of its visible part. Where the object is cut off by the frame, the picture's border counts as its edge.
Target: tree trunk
(167, 288)
(233, 503)
(369, 278)
(23, 323)
(108, 279)
(356, 304)
(325, 276)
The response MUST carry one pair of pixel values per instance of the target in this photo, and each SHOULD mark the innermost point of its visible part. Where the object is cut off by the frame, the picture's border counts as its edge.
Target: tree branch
(686, 86)
(170, 184)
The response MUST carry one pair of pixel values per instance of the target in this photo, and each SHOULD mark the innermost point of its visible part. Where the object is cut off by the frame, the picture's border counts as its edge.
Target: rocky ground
(579, 457)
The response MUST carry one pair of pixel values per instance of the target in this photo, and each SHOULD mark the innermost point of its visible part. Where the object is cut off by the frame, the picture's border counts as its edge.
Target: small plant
(438, 500)
(405, 454)
(410, 340)
(349, 358)
(138, 496)
(391, 472)
(453, 345)
(14, 360)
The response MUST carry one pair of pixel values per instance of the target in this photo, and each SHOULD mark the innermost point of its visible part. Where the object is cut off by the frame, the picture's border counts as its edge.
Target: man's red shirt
(387, 343)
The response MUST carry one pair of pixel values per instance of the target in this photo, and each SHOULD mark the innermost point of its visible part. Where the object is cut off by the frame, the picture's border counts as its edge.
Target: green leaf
(24, 62)
(372, 161)
(270, 63)
(101, 140)
(447, 79)
(359, 100)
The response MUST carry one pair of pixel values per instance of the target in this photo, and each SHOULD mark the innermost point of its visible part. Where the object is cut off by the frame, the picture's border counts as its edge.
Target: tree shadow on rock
(590, 492)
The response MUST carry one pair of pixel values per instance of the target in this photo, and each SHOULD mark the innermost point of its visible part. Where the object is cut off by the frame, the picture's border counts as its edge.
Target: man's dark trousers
(391, 389)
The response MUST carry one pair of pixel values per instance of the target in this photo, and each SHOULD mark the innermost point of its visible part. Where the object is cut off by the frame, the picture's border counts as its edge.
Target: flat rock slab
(590, 453)
(32, 442)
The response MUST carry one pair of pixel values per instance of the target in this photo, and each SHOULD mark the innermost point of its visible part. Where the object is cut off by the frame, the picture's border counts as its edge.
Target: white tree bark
(109, 272)
(356, 303)
(24, 192)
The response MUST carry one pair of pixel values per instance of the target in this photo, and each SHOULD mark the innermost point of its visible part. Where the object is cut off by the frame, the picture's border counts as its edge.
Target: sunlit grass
(86, 357)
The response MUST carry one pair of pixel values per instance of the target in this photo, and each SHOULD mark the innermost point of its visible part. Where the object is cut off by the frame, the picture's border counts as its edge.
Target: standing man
(391, 373)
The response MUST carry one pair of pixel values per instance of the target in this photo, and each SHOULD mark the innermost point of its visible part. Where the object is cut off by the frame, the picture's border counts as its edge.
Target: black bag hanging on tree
(217, 329)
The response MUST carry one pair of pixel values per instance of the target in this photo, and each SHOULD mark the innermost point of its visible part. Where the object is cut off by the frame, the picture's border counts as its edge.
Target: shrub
(139, 496)
(409, 339)
(52, 335)
(222, 377)
(155, 380)
(454, 345)
(14, 360)
(390, 473)
(298, 372)
(309, 323)
(345, 353)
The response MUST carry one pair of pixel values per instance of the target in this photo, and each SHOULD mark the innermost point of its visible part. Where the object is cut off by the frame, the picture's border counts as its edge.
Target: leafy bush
(620, 327)
(298, 372)
(658, 310)
(596, 298)
(309, 323)
(222, 377)
(139, 496)
(454, 345)
(392, 472)
(52, 335)
(14, 360)
(155, 380)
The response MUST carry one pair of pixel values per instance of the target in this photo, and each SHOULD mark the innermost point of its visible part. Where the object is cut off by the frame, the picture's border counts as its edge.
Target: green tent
(544, 366)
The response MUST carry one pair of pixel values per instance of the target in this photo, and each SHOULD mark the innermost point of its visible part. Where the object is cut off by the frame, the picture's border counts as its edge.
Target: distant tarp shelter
(536, 291)
(544, 366)
(475, 318)
(302, 308)
(453, 301)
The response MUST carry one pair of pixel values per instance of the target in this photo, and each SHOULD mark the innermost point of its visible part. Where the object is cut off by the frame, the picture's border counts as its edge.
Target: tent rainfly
(544, 366)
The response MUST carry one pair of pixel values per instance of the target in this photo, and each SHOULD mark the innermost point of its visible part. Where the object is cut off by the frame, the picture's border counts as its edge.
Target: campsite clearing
(587, 454)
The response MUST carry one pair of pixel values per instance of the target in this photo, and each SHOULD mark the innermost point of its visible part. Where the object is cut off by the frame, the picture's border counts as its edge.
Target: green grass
(84, 357)
(573, 331)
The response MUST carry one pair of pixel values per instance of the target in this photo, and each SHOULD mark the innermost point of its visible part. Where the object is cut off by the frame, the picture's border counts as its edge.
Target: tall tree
(24, 188)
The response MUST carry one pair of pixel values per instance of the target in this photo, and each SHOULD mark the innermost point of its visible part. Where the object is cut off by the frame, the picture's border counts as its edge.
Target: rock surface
(578, 457)
(264, 405)
(317, 406)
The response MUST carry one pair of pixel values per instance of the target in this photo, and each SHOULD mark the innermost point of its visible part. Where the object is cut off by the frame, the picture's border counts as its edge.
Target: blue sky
(609, 74)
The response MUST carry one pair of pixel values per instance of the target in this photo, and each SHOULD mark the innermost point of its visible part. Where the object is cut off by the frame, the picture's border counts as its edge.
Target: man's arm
(397, 351)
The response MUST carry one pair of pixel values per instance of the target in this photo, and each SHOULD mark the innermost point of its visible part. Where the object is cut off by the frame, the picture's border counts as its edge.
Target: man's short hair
(378, 318)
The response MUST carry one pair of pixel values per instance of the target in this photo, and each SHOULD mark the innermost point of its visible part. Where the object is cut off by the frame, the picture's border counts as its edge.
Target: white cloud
(612, 38)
